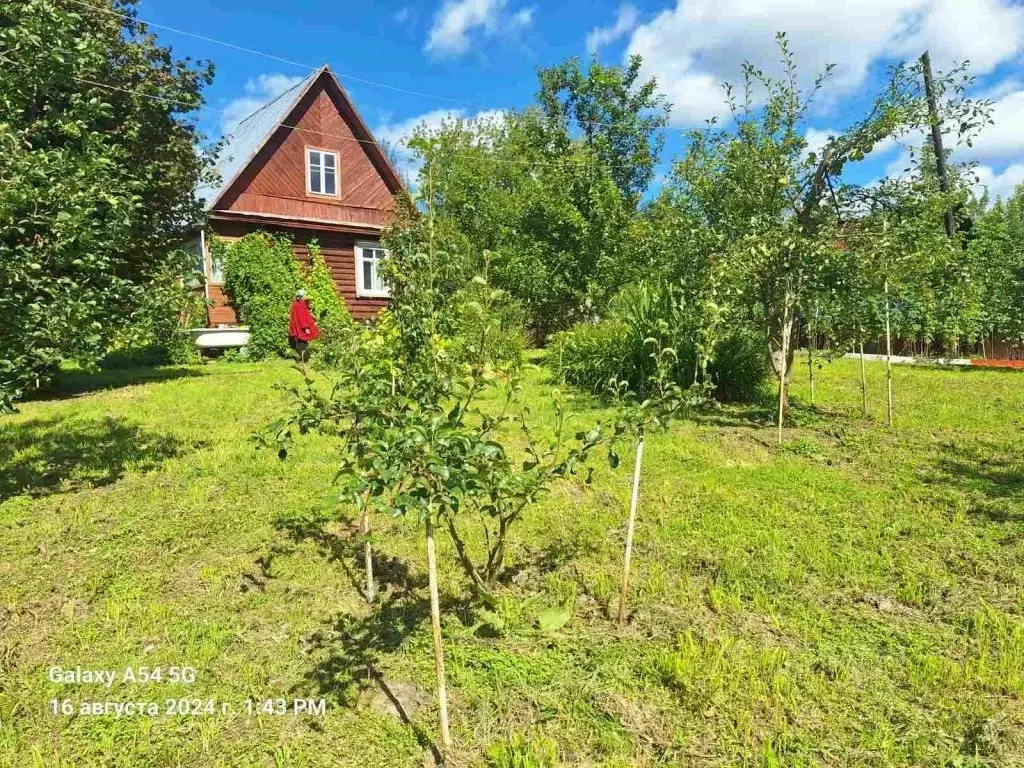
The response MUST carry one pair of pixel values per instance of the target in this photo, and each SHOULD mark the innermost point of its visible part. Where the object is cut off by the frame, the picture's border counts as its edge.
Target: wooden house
(306, 165)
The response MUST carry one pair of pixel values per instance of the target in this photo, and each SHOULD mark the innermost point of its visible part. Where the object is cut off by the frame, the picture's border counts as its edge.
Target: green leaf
(553, 619)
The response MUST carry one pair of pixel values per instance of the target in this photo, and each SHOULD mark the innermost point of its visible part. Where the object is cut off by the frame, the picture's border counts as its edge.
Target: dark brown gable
(274, 184)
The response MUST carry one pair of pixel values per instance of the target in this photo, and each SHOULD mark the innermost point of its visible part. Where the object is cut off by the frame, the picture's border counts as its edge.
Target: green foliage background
(158, 331)
(97, 183)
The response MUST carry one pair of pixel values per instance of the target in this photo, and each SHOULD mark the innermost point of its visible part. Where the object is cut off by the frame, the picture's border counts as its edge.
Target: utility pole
(933, 119)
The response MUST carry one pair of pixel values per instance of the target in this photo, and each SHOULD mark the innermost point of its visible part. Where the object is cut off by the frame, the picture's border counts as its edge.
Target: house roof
(243, 144)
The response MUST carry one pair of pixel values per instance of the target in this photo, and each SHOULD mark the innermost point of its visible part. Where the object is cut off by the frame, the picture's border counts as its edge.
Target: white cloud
(1003, 139)
(402, 15)
(397, 134)
(457, 20)
(625, 23)
(696, 46)
(258, 91)
(999, 185)
(986, 32)
(817, 137)
(1001, 89)
(522, 18)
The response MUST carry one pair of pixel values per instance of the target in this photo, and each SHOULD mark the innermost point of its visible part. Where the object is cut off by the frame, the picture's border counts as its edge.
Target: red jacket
(302, 325)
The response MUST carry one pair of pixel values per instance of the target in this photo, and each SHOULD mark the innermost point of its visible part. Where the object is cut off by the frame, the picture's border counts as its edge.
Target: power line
(264, 54)
(178, 102)
(308, 67)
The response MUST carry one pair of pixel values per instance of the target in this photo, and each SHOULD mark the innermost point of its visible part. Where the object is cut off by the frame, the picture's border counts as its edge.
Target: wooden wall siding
(338, 250)
(252, 202)
(339, 254)
(220, 312)
(275, 182)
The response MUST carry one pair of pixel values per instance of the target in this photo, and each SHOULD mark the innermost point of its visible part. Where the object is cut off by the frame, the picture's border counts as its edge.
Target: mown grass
(851, 598)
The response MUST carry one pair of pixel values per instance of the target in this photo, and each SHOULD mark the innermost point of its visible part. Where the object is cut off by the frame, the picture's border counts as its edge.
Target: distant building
(305, 165)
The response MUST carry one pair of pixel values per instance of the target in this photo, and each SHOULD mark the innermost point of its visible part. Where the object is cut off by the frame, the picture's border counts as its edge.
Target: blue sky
(475, 56)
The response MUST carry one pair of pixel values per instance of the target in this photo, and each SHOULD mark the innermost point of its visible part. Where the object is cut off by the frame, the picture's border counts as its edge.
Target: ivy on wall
(261, 277)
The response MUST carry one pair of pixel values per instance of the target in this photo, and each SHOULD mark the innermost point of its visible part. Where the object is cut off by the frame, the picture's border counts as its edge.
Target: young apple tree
(898, 239)
(772, 198)
(418, 437)
(658, 401)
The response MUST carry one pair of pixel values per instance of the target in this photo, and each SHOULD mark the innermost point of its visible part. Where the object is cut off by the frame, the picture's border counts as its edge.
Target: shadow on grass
(72, 383)
(984, 470)
(532, 565)
(56, 455)
(736, 415)
(347, 551)
(352, 648)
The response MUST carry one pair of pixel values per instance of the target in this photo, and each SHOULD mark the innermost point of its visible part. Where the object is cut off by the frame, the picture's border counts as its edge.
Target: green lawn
(851, 598)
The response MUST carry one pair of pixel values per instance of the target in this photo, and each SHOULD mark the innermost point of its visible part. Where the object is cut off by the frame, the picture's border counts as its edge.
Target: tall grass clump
(617, 347)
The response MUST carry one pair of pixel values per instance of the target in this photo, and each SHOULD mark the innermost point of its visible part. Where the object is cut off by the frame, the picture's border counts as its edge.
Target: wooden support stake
(888, 357)
(630, 528)
(811, 342)
(863, 383)
(435, 623)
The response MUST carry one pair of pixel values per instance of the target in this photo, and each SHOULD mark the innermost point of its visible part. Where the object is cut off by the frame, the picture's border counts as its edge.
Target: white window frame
(323, 173)
(362, 290)
(195, 246)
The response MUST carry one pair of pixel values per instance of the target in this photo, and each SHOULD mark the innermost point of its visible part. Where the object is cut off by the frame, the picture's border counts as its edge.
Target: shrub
(261, 275)
(739, 369)
(497, 335)
(619, 347)
(158, 333)
(336, 327)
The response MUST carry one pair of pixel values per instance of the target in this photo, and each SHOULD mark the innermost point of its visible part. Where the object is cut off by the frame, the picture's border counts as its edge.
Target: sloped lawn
(852, 598)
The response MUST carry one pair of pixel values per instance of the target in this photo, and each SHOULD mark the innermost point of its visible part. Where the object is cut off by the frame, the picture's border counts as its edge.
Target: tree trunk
(630, 528)
(435, 623)
(888, 358)
(781, 354)
(863, 383)
(364, 530)
(936, 130)
(478, 583)
(811, 341)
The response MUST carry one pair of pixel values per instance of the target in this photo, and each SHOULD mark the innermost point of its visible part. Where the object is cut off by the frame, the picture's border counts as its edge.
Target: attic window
(321, 172)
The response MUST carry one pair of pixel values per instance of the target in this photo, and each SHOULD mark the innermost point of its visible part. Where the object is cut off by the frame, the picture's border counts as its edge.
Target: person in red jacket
(301, 325)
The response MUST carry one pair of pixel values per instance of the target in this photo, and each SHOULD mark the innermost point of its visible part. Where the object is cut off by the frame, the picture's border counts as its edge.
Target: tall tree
(773, 202)
(545, 205)
(997, 264)
(99, 167)
(618, 117)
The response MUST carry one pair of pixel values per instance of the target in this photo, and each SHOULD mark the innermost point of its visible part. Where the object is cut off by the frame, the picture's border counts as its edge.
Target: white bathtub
(218, 338)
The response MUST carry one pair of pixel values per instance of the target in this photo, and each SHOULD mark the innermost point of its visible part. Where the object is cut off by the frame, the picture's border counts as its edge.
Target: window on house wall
(195, 249)
(369, 279)
(216, 269)
(322, 172)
